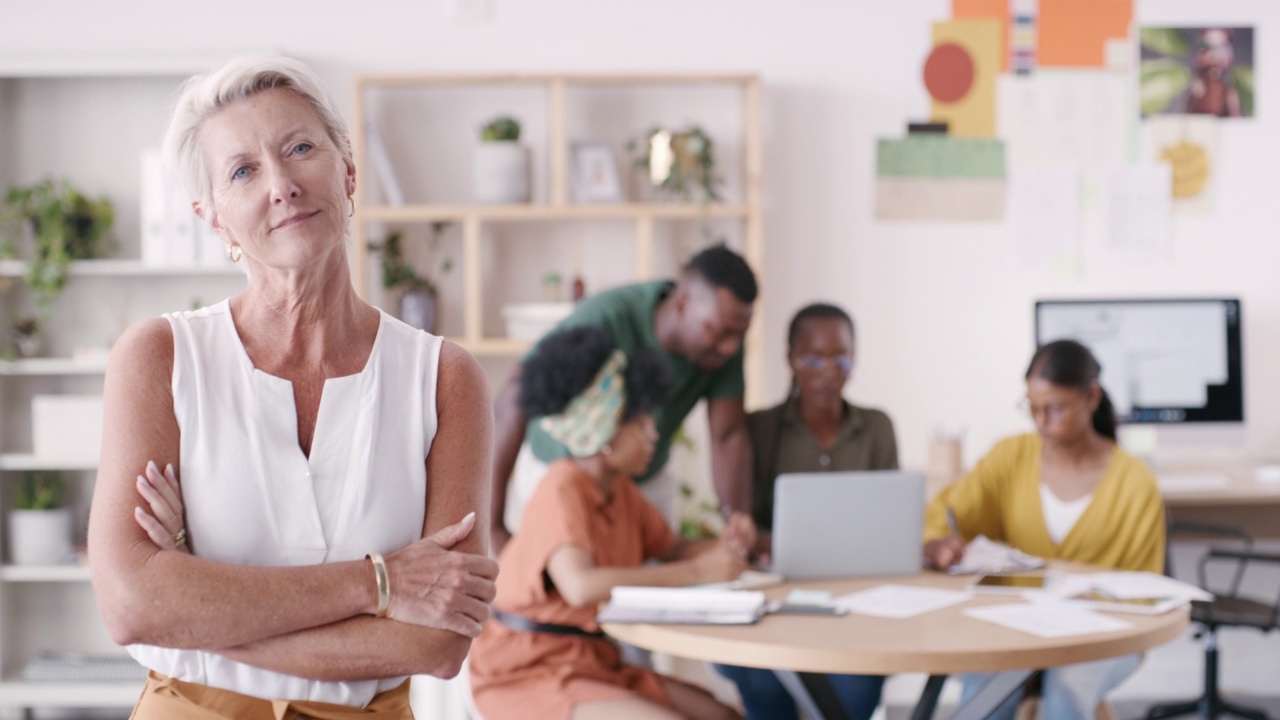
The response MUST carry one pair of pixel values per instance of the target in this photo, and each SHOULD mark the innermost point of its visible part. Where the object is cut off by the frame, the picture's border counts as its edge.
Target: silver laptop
(847, 524)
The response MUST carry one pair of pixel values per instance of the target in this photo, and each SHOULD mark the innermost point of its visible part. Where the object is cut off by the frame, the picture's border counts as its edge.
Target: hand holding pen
(945, 552)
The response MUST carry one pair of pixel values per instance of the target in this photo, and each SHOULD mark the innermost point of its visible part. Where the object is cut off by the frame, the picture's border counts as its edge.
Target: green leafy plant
(698, 520)
(66, 226)
(685, 165)
(501, 129)
(38, 491)
(398, 273)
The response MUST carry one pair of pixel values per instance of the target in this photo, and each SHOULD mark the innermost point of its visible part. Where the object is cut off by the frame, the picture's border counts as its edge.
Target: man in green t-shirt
(697, 322)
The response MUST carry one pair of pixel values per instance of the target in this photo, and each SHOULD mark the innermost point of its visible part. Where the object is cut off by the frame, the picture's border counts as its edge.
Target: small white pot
(39, 537)
(500, 172)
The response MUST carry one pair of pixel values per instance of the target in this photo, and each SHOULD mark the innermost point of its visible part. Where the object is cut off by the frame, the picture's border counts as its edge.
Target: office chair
(1227, 609)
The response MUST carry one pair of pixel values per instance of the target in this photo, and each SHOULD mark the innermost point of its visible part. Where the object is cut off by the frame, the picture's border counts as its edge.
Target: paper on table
(983, 555)
(899, 601)
(1047, 620)
(748, 580)
(1143, 584)
(1044, 212)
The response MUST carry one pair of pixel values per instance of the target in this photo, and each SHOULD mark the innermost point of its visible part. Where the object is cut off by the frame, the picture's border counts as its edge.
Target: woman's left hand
(740, 532)
(162, 519)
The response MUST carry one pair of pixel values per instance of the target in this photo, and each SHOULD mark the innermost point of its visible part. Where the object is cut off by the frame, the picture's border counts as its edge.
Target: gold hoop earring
(606, 450)
(352, 198)
(234, 252)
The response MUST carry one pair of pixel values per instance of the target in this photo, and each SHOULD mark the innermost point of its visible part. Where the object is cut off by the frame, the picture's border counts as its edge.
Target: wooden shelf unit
(558, 207)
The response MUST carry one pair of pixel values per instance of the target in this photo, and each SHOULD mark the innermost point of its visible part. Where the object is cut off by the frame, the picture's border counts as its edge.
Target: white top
(253, 498)
(1060, 516)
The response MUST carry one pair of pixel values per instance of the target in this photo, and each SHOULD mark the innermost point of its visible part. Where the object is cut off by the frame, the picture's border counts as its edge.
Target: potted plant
(39, 528)
(419, 301)
(66, 225)
(26, 335)
(501, 163)
(677, 164)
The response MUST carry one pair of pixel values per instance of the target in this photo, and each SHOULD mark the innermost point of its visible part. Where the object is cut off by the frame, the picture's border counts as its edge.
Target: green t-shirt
(627, 314)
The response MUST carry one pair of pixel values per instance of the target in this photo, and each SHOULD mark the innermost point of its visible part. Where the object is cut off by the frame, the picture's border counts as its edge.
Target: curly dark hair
(565, 362)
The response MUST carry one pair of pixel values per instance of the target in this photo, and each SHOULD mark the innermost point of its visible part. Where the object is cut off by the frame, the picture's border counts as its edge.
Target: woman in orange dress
(587, 529)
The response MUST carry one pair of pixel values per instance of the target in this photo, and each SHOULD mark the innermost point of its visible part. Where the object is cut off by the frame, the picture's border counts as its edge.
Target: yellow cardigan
(1122, 528)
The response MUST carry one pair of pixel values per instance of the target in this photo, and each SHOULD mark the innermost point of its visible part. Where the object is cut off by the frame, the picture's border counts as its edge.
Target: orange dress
(517, 674)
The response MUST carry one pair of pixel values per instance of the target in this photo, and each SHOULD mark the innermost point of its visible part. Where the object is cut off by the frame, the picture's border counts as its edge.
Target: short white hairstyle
(203, 95)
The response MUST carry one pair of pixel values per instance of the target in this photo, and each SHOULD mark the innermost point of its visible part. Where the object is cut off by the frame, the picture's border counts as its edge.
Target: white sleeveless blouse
(253, 498)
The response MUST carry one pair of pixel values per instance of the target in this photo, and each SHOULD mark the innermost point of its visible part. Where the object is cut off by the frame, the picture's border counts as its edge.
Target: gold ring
(180, 538)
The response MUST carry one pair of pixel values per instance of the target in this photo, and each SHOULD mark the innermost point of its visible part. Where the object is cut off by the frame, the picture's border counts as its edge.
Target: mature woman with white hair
(332, 460)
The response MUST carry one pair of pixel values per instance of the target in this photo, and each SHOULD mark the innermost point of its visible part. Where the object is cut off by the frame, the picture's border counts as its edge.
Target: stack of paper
(1132, 592)
(630, 604)
(983, 555)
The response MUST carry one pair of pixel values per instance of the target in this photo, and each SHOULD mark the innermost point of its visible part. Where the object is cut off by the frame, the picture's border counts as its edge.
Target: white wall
(944, 311)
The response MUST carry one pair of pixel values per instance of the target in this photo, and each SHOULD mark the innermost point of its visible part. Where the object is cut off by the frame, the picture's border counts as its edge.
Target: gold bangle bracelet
(384, 583)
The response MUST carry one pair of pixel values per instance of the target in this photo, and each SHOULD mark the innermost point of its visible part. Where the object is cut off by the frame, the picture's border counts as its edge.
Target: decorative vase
(420, 309)
(28, 345)
(501, 172)
(40, 537)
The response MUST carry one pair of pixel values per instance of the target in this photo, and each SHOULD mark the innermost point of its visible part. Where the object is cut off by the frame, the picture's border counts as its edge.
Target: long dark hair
(1069, 364)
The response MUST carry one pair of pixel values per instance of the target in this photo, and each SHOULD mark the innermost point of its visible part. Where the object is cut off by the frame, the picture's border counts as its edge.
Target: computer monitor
(1163, 361)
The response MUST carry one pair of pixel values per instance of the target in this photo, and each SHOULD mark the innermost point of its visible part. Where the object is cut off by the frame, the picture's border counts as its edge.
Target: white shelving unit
(27, 461)
(53, 367)
(563, 110)
(124, 268)
(53, 109)
(44, 573)
(69, 695)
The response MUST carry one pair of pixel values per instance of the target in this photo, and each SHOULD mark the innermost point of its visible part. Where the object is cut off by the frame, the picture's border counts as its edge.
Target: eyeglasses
(844, 363)
(1051, 411)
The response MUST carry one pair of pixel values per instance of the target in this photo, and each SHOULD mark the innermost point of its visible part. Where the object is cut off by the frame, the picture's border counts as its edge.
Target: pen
(951, 520)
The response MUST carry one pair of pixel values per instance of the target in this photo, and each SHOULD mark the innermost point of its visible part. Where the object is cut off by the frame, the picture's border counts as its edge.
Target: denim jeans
(1070, 692)
(765, 698)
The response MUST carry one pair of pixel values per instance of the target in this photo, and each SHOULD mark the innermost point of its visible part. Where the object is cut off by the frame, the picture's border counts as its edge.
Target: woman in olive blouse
(813, 430)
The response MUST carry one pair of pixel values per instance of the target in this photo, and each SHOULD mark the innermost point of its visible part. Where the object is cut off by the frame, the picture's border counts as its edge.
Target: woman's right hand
(437, 587)
(719, 563)
(944, 552)
(162, 518)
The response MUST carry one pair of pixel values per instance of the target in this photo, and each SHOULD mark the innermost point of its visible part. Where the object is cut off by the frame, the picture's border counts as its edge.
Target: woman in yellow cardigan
(1065, 492)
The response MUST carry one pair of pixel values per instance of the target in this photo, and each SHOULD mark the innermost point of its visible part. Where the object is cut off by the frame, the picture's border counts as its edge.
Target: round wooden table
(940, 643)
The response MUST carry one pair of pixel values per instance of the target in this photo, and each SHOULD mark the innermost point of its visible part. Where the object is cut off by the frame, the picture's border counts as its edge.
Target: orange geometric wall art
(960, 75)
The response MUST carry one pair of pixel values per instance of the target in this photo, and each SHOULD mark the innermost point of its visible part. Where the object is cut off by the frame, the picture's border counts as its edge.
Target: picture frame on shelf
(595, 177)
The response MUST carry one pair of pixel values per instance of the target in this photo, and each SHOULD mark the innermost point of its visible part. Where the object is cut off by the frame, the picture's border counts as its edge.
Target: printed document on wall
(1044, 211)
(1056, 117)
(1139, 210)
